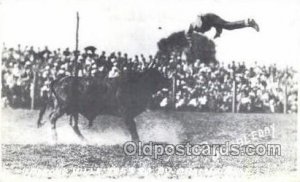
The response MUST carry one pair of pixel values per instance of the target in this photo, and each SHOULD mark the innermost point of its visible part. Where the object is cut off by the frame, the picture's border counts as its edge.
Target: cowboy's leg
(238, 24)
(235, 25)
(242, 24)
(219, 23)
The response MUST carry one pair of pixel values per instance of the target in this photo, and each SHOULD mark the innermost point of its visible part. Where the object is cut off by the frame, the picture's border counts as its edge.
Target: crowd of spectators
(199, 86)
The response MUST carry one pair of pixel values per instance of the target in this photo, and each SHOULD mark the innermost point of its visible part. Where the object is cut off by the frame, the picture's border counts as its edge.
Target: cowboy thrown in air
(205, 22)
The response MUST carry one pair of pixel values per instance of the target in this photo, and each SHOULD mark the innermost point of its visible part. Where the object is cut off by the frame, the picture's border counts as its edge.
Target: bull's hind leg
(90, 125)
(130, 123)
(75, 127)
(53, 118)
(70, 120)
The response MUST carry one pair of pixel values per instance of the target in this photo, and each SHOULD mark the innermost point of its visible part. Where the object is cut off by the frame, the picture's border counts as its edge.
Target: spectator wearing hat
(90, 50)
(199, 85)
(66, 52)
(114, 72)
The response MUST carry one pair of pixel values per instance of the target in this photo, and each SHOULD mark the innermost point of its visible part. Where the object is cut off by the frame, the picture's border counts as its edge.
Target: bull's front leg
(130, 123)
(71, 120)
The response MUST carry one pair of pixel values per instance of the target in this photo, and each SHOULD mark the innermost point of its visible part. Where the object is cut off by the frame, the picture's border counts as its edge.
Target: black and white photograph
(149, 90)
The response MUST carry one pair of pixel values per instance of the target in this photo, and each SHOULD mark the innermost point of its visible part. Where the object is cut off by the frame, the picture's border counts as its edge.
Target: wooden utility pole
(76, 47)
(233, 89)
(174, 80)
(33, 89)
(74, 91)
(285, 101)
(285, 96)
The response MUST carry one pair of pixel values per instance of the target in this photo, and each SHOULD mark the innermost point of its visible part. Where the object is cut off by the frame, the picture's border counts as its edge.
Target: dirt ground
(31, 151)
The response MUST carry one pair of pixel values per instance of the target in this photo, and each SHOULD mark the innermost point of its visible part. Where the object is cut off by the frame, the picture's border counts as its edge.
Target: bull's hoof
(54, 136)
(39, 125)
(84, 140)
(136, 140)
(90, 126)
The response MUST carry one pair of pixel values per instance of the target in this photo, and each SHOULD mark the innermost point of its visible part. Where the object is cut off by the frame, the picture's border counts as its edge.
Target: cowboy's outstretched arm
(190, 30)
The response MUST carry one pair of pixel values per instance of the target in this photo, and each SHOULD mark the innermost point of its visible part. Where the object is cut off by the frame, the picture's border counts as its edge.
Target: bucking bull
(125, 96)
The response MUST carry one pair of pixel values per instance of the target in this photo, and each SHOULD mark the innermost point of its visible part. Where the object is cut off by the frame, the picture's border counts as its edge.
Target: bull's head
(155, 78)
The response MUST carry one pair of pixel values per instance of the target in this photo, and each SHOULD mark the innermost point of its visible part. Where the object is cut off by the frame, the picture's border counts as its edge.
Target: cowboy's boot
(253, 24)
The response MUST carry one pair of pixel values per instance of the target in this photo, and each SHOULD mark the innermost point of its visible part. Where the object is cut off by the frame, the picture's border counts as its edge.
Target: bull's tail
(46, 103)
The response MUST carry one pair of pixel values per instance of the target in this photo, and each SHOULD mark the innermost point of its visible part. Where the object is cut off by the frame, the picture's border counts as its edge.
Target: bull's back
(102, 96)
(64, 88)
(90, 93)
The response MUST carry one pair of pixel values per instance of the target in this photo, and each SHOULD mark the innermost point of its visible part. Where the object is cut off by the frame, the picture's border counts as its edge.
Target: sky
(132, 26)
